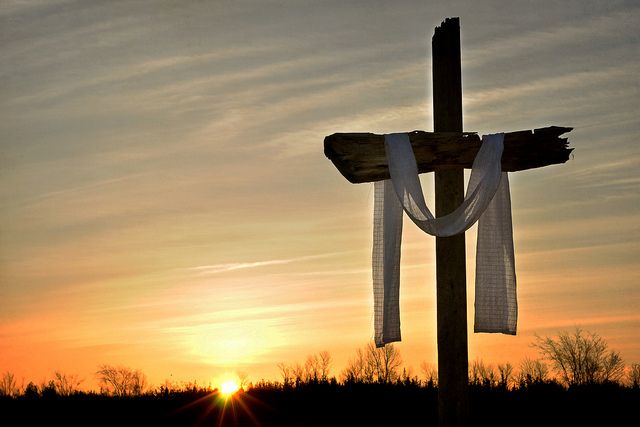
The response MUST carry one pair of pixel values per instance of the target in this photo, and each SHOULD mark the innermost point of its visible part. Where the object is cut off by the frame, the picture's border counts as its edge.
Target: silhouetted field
(326, 404)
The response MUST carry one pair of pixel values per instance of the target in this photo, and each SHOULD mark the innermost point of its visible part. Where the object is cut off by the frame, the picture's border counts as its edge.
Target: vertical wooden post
(450, 251)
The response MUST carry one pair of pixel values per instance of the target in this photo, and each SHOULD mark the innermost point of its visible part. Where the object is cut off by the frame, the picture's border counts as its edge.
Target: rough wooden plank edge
(360, 157)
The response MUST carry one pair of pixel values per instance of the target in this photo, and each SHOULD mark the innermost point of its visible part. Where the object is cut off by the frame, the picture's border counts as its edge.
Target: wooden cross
(360, 157)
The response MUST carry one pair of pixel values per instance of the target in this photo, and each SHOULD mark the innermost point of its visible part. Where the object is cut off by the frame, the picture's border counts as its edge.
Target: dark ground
(331, 405)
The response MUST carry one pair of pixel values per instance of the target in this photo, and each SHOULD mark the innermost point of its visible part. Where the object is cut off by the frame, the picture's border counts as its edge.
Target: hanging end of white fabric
(382, 341)
(494, 331)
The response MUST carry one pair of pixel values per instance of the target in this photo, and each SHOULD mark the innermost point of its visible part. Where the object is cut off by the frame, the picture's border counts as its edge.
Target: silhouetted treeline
(329, 403)
(578, 381)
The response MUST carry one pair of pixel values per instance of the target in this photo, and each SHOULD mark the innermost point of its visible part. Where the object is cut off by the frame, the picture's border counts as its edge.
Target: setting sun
(229, 387)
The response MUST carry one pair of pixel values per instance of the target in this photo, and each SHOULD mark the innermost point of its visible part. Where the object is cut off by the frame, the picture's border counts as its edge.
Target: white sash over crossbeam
(487, 201)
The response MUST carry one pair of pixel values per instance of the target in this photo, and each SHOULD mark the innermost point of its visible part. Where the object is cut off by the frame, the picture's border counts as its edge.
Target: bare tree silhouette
(371, 364)
(505, 370)
(316, 369)
(581, 358)
(243, 379)
(532, 371)
(634, 375)
(66, 384)
(430, 373)
(121, 381)
(286, 374)
(324, 365)
(384, 362)
(8, 385)
(356, 369)
(311, 369)
(482, 374)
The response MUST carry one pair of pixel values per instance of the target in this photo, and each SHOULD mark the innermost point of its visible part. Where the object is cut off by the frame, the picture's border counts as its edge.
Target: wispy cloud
(580, 34)
(226, 267)
(589, 322)
(222, 268)
(567, 82)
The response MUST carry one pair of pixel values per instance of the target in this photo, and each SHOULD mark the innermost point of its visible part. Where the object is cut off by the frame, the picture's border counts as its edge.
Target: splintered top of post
(360, 157)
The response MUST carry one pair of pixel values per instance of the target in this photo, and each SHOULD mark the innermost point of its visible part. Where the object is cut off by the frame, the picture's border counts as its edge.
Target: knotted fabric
(487, 201)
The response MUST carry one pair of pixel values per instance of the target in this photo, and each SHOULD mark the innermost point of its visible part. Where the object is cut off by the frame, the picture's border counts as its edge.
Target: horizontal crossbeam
(360, 157)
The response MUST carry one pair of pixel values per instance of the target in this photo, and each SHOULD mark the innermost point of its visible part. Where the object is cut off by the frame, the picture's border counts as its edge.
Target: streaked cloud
(222, 268)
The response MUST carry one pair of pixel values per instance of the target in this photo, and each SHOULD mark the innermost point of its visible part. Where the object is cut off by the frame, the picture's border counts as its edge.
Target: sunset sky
(165, 203)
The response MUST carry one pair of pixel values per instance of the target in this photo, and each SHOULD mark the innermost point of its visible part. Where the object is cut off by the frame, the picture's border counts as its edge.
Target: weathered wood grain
(360, 157)
(451, 273)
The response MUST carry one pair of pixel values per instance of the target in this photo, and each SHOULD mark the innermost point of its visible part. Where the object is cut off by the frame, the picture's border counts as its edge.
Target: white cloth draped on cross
(487, 200)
